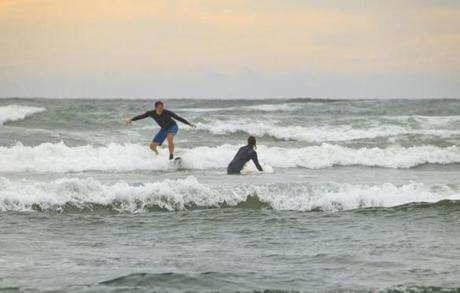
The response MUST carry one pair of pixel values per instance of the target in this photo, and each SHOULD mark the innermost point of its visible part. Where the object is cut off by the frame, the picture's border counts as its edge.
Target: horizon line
(225, 98)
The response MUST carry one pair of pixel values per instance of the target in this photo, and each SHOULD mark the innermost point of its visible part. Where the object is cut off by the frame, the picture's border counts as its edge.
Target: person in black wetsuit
(169, 127)
(243, 155)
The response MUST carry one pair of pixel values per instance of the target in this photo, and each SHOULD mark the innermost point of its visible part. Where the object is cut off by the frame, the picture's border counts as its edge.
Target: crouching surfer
(165, 119)
(244, 154)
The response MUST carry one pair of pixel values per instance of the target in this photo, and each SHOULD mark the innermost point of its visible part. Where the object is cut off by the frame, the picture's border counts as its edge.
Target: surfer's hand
(127, 121)
(192, 125)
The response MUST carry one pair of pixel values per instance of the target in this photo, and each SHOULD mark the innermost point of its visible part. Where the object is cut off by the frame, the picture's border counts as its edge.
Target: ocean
(364, 197)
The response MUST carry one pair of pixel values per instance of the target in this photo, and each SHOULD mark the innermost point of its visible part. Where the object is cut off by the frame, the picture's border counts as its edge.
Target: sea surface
(359, 195)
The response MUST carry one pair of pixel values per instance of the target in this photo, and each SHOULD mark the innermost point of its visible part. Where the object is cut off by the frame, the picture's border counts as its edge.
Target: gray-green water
(365, 196)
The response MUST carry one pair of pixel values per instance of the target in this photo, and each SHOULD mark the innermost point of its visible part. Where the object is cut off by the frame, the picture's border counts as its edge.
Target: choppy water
(365, 196)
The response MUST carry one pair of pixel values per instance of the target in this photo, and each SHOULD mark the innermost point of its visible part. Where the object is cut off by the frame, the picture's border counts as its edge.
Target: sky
(230, 48)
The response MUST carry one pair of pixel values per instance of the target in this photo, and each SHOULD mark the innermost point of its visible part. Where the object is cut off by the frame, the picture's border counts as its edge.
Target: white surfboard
(176, 163)
(250, 168)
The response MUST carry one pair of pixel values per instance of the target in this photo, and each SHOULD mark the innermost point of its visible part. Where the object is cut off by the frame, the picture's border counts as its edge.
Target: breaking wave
(72, 194)
(262, 108)
(421, 126)
(59, 158)
(17, 112)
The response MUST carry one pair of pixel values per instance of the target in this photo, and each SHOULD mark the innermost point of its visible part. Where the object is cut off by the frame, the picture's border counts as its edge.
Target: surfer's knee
(170, 138)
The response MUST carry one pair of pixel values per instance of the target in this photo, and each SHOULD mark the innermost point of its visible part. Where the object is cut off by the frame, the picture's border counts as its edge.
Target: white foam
(17, 112)
(200, 110)
(339, 196)
(250, 168)
(181, 194)
(274, 107)
(261, 107)
(426, 121)
(168, 194)
(321, 133)
(58, 157)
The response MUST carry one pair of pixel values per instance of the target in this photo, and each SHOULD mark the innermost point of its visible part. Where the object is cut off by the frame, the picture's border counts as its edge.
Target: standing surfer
(165, 120)
(244, 154)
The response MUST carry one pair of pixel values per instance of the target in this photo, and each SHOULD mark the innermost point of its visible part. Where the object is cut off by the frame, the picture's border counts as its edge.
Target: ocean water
(364, 196)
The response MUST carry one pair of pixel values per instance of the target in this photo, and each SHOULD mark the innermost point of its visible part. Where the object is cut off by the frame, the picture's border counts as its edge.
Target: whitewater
(17, 112)
(60, 158)
(189, 193)
(337, 132)
(54, 138)
(356, 195)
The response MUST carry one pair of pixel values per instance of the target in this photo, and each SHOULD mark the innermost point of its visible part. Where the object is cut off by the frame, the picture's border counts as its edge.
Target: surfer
(165, 120)
(244, 154)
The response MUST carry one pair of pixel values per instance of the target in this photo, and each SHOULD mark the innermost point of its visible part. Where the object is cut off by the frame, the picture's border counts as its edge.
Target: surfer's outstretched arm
(138, 117)
(142, 116)
(256, 161)
(178, 118)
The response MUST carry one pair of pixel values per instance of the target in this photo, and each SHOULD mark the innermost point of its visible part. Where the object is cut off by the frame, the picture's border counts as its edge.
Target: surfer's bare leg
(153, 146)
(170, 138)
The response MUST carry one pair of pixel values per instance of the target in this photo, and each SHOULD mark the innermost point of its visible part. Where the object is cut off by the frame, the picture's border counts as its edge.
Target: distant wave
(328, 133)
(58, 157)
(17, 112)
(69, 194)
(275, 107)
(425, 121)
(262, 108)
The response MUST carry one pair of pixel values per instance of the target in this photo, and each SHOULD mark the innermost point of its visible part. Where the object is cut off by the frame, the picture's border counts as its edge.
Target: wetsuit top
(243, 155)
(164, 120)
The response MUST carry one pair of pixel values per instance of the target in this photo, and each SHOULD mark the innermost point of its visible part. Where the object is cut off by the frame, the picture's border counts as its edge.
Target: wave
(275, 107)
(59, 158)
(262, 108)
(411, 288)
(228, 281)
(157, 282)
(425, 121)
(73, 194)
(17, 112)
(317, 134)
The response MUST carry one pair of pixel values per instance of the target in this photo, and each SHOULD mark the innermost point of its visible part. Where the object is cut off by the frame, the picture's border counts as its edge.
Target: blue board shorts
(160, 137)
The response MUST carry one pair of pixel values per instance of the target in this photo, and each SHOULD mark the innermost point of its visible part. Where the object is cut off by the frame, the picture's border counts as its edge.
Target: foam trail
(17, 112)
(319, 133)
(172, 195)
(59, 158)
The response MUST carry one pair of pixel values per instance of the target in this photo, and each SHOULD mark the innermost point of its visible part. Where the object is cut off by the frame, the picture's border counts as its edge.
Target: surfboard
(249, 168)
(177, 163)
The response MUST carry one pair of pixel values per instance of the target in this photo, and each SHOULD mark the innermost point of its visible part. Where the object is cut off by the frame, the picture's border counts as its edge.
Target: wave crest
(72, 194)
(330, 133)
(60, 158)
(17, 112)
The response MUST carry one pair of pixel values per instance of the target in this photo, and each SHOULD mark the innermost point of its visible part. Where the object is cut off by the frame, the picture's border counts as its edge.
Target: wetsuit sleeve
(178, 118)
(142, 116)
(256, 161)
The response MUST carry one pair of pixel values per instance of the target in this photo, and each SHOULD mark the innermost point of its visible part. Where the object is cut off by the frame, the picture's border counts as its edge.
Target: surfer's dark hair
(252, 141)
(158, 103)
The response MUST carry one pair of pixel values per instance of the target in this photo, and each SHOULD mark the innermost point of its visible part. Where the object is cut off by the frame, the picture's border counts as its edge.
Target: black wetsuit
(243, 155)
(164, 120)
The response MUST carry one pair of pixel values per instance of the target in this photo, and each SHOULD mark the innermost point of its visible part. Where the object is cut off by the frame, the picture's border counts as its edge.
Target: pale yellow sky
(234, 48)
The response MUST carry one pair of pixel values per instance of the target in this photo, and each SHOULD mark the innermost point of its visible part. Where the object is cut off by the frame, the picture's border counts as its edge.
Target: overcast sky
(230, 48)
